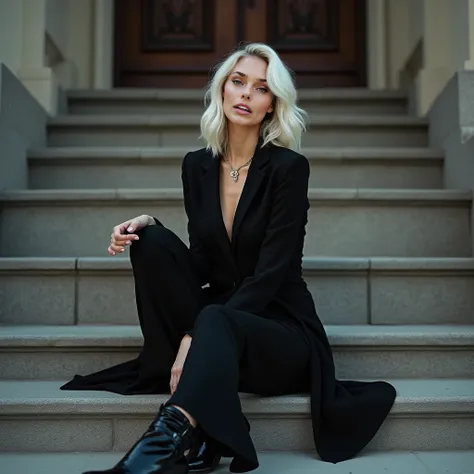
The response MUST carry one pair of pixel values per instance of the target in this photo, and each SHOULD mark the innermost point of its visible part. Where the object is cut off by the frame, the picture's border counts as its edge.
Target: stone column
(103, 44)
(11, 19)
(436, 71)
(377, 44)
(469, 12)
(34, 72)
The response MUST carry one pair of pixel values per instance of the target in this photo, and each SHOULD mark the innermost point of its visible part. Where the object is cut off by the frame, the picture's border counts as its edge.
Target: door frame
(372, 18)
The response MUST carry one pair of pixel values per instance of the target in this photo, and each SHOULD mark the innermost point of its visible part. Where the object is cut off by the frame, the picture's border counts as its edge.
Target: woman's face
(247, 98)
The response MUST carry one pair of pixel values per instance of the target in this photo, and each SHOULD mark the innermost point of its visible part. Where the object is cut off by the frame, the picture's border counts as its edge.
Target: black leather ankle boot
(203, 456)
(161, 448)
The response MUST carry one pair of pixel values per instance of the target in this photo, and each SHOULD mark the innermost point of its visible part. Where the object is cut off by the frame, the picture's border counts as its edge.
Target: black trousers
(231, 350)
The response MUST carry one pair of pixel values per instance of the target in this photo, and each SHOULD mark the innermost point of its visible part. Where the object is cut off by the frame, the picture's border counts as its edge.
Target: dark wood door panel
(170, 43)
(322, 41)
(174, 43)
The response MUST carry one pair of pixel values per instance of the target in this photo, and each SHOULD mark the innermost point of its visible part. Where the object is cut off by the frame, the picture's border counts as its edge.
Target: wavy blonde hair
(283, 127)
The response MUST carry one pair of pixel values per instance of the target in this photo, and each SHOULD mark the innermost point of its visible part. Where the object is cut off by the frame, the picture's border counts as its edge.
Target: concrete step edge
(455, 266)
(193, 120)
(93, 155)
(184, 95)
(415, 397)
(372, 337)
(341, 196)
(274, 462)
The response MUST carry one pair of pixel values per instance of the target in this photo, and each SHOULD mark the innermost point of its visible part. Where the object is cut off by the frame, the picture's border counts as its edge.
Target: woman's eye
(263, 89)
(236, 81)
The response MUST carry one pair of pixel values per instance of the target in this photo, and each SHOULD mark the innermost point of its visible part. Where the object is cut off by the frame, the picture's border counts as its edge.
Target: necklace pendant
(234, 175)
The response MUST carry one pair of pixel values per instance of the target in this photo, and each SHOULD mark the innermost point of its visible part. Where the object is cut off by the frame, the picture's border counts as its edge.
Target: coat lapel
(212, 202)
(254, 179)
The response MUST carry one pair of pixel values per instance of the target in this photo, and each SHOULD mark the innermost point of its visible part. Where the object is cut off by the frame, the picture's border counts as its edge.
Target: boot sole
(206, 470)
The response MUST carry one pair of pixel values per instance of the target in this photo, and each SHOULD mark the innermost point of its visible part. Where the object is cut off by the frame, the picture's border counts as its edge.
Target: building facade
(379, 44)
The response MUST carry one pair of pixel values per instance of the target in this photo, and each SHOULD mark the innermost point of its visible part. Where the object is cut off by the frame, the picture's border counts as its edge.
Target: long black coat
(260, 271)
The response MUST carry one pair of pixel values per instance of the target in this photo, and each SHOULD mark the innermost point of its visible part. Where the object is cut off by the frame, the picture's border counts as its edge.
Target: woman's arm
(288, 215)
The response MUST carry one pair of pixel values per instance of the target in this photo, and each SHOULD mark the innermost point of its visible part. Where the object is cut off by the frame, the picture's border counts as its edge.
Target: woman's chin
(243, 121)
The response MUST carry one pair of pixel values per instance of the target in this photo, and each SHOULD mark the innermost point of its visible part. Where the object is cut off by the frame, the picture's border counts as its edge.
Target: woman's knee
(153, 240)
(213, 315)
(218, 326)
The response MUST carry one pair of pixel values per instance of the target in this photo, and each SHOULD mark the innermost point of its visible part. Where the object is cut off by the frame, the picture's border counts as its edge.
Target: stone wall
(22, 126)
(452, 130)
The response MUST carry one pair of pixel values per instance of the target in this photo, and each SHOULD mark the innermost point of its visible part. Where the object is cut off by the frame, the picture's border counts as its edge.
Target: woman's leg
(231, 351)
(169, 298)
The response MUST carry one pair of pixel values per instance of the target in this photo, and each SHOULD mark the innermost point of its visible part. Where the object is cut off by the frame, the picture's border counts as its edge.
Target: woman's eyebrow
(245, 75)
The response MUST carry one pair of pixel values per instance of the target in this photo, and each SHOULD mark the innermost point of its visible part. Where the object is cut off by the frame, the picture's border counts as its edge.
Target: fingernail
(130, 229)
(128, 242)
(137, 238)
(122, 250)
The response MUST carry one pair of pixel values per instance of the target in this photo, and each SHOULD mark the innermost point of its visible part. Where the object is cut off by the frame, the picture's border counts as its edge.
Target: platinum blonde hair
(283, 127)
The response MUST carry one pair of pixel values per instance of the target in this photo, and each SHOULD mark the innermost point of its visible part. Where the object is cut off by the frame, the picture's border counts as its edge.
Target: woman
(254, 328)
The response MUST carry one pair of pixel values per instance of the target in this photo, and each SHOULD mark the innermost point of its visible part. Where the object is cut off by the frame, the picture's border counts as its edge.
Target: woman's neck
(241, 144)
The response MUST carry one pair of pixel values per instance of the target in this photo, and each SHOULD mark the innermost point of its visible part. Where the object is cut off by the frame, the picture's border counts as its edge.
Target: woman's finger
(121, 242)
(117, 248)
(123, 237)
(112, 251)
(177, 378)
(132, 226)
(173, 384)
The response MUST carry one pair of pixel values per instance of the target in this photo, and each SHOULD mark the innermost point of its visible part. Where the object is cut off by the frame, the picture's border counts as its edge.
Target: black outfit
(254, 328)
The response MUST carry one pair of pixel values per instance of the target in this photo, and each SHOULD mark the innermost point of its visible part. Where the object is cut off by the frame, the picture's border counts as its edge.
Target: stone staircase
(388, 259)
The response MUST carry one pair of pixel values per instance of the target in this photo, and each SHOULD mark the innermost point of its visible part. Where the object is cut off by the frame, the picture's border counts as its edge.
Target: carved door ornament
(309, 25)
(302, 16)
(174, 25)
(179, 15)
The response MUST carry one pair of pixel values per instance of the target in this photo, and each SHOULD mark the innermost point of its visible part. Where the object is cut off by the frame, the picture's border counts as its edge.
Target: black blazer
(265, 254)
(260, 271)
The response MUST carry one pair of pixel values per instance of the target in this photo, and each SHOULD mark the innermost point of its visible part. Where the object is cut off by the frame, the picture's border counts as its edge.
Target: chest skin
(230, 193)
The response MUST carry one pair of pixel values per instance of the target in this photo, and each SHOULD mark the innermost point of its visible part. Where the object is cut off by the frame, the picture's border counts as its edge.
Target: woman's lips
(243, 109)
(242, 112)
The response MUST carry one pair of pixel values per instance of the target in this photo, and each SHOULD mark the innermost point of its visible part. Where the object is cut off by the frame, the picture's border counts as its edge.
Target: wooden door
(174, 43)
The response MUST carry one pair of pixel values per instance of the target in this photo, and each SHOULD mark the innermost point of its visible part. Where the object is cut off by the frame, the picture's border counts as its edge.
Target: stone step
(276, 462)
(118, 167)
(180, 101)
(362, 352)
(183, 130)
(63, 291)
(342, 222)
(428, 415)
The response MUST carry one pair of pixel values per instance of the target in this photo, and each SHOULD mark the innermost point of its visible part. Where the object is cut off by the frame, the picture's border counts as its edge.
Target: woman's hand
(177, 368)
(120, 239)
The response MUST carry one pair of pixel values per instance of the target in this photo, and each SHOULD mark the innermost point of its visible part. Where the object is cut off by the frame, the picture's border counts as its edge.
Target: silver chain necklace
(234, 172)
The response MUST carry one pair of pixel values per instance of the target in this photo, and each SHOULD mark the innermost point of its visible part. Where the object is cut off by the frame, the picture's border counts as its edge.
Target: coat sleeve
(197, 251)
(287, 219)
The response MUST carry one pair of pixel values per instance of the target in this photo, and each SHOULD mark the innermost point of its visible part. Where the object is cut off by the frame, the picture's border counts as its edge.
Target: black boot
(161, 448)
(203, 456)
